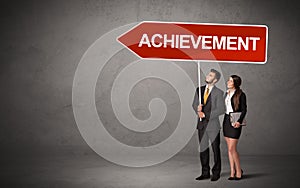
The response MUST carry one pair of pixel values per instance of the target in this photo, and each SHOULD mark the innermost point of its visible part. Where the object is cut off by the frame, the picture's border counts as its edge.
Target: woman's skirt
(230, 131)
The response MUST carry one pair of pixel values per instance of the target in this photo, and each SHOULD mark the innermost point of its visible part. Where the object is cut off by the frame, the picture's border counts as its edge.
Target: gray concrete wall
(42, 43)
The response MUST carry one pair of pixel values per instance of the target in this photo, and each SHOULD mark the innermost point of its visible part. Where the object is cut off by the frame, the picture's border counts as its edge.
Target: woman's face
(230, 84)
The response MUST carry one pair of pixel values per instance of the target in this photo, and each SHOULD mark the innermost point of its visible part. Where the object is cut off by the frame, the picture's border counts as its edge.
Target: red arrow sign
(193, 41)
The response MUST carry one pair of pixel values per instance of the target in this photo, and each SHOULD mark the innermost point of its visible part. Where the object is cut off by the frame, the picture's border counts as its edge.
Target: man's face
(211, 78)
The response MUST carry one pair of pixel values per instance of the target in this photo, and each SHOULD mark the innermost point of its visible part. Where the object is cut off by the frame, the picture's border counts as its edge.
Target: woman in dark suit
(235, 101)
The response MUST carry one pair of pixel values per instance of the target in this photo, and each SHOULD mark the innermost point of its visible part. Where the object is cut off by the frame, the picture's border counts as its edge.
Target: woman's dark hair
(237, 81)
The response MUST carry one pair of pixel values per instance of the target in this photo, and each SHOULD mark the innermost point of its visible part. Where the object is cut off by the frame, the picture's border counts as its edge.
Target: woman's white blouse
(228, 101)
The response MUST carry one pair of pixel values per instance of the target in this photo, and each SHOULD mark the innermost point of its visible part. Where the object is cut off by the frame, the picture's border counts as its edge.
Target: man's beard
(208, 82)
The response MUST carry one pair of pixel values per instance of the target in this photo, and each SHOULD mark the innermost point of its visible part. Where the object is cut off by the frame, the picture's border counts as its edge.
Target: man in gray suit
(212, 106)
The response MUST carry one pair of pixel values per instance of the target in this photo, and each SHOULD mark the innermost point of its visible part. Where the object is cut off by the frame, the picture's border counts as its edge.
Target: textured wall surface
(42, 43)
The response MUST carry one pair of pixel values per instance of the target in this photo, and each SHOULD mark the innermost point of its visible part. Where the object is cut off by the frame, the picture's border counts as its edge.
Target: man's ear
(215, 80)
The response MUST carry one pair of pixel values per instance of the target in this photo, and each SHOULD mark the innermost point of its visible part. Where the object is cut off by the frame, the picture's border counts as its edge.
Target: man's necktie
(206, 95)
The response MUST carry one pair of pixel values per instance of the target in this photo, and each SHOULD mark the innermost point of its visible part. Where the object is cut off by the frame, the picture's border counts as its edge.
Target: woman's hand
(237, 124)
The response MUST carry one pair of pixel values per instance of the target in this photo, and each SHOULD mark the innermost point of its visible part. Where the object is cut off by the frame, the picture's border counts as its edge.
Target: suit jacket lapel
(232, 102)
(202, 94)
